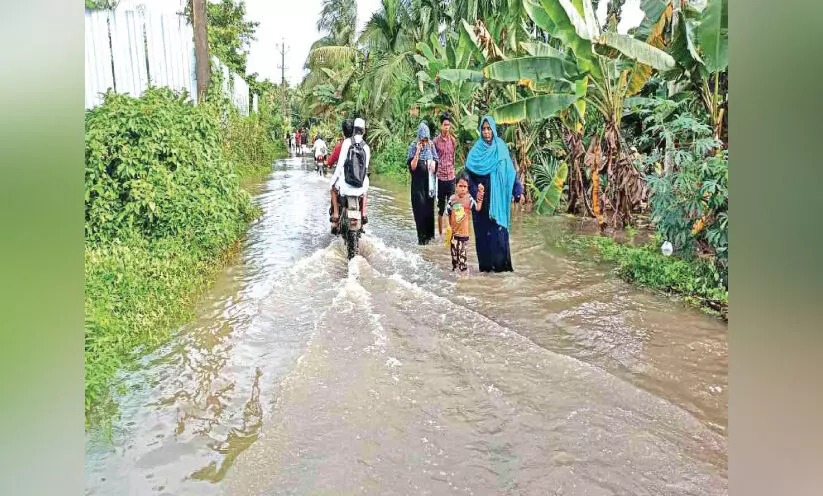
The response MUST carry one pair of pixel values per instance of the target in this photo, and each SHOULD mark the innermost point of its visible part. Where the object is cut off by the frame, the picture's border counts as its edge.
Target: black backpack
(354, 169)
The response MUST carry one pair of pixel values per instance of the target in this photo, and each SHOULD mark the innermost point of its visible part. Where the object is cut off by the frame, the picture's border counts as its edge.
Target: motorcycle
(320, 165)
(351, 224)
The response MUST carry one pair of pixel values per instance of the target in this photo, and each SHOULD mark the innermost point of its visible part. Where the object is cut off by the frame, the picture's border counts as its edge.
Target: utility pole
(282, 68)
(201, 48)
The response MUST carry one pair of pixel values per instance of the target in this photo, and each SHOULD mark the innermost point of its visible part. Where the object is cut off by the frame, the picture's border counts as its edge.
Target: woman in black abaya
(422, 161)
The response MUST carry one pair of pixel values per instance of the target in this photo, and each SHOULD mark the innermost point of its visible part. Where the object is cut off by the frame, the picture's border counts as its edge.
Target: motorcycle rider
(348, 129)
(320, 150)
(338, 183)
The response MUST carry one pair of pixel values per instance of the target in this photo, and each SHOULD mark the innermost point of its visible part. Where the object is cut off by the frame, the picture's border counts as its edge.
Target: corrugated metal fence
(131, 47)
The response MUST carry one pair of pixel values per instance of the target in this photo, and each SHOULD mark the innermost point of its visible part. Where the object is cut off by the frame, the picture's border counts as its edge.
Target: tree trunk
(201, 49)
(671, 86)
(522, 163)
(577, 185)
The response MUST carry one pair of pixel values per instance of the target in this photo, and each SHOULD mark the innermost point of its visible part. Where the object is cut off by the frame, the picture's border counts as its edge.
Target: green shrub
(697, 279)
(164, 207)
(155, 164)
(248, 146)
(391, 160)
(136, 292)
(690, 206)
(690, 202)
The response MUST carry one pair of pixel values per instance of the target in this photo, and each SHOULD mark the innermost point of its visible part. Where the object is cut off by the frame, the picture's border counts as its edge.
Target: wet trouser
(459, 252)
(445, 190)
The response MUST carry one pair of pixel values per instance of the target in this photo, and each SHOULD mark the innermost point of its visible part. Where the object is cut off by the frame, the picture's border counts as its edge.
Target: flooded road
(307, 374)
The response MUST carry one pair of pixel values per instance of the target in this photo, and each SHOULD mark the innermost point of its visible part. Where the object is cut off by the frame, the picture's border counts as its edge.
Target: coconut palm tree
(389, 46)
(339, 18)
(471, 10)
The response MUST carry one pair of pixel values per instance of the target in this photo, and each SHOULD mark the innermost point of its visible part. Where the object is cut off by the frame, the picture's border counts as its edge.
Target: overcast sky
(296, 22)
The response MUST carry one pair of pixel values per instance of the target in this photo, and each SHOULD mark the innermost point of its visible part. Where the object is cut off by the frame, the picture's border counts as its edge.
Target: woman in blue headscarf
(489, 164)
(421, 151)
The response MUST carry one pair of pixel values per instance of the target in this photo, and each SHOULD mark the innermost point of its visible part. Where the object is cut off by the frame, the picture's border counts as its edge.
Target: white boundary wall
(133, 46)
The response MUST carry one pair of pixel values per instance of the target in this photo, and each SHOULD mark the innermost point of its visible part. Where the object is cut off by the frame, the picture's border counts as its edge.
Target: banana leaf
(581, 87)
(533, 108)
(451, 55)
(475, 42)
(537, 14)
(714, 35)
(421, 60)
(540, 49)
(691, 43)
(553, 192)
(566, 32)
(591, 20)
(427, 52)
(435, 42)
(641, 73)
(462, 75)
(682, 47)
(575, 11)
(652, 10)
(639, 51)
(526, 69)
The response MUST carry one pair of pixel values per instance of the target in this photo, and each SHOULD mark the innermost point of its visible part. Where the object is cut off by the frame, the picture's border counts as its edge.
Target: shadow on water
(303, 373)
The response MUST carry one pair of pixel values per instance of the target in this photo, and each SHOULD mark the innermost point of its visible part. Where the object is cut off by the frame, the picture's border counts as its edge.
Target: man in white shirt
(338, 182)
(320, 149)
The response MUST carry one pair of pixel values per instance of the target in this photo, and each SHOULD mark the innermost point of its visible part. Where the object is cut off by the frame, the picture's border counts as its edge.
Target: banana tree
(700, 46)
(447, 78)
(555, 81)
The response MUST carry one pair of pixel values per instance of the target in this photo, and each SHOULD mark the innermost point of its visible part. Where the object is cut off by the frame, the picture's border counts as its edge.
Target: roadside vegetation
(696, 279)
(164, 210)
(164, 206)
(612, 124)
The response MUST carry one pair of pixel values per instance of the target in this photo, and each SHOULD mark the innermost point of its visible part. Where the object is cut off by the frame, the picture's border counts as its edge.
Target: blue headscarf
(494, 159)
(428, 152)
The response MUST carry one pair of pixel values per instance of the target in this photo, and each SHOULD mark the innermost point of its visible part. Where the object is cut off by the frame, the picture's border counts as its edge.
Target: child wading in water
(458, 211)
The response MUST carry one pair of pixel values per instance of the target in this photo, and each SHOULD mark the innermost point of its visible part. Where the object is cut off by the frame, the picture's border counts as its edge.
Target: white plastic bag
(432, 180)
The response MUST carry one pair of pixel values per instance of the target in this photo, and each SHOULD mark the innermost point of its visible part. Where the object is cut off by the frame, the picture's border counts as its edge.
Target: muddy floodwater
(307, 374)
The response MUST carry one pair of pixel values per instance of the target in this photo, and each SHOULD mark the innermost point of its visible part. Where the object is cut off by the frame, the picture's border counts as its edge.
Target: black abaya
(422, 203)
(491, 240)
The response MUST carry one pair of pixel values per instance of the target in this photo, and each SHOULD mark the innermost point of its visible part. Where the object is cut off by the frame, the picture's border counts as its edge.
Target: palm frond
(332, 56)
